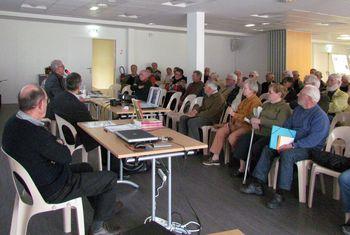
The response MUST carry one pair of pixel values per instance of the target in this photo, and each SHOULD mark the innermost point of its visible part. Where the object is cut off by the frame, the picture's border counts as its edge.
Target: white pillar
(130, 49)
(195, 42)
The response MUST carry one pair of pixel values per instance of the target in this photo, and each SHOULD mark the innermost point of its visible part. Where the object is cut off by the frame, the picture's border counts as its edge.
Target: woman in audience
(152, 78)
(237, 126)
(275, 111)
(168, 76)
(291, 96)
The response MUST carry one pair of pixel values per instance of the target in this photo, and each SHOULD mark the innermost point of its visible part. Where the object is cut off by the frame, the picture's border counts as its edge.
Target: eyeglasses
(250, 75)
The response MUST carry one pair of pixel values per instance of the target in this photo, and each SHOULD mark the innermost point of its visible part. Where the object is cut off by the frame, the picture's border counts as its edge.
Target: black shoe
(253, 188)
(211, 162)
(275, 202)
(237, 173)
(118, 207)
(346, 229)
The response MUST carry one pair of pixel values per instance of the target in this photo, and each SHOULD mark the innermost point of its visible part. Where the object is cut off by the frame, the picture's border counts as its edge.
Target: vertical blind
(277, 53)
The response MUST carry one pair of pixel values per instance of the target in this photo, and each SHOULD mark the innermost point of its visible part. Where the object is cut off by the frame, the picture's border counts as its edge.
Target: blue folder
(280, 131)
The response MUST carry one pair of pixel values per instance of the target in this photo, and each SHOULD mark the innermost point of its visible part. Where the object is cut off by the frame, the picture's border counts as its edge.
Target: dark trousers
(190, 125)
(100, 187)
(344, 183)
(242, 147)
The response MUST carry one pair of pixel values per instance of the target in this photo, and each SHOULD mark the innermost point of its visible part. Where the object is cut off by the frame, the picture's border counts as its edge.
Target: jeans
(190, 125)
(344, 183)
(287, 160)
(100, 187)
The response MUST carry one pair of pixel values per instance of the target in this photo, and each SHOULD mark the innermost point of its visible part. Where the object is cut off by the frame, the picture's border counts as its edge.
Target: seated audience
(237, 126)
(55, 83)
(156, 72)
(345, 83)
(231, 89)
(168, 76)
(297, 83)
(319, 76)
(255, 75)
(206, 74)
(208, 114)
(275, 111)
(287, 73)
(338, 99)
(270, 78)
(178, 82)
(48, 161)
(151, 77)
(311, 125)
(68, 106)
(238, 74)
(291, 97)
(194, 88)
(142, 86)
(313, 71)
(131, 78)
(324, 100)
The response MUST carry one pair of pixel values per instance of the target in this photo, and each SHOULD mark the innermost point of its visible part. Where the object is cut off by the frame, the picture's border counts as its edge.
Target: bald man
(48, 161)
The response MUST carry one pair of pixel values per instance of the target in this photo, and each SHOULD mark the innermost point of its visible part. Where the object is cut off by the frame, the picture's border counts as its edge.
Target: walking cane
(248, 157)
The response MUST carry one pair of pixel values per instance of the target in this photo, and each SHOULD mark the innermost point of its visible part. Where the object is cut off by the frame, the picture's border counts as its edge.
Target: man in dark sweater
(68, 106)
(311, 125)
(194, 88)
(55, 83)
(48, 161)
(142, 85)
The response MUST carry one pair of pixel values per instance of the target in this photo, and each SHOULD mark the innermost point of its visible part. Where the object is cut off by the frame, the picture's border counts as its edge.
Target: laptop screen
(154, 95)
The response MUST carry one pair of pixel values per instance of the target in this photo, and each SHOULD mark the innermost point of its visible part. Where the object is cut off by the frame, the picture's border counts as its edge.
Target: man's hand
(255, 123)
(60, 141)
(193, 113)
(285, 147)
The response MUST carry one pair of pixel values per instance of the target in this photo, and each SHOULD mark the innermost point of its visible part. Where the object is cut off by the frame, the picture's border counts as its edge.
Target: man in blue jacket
(311, 125)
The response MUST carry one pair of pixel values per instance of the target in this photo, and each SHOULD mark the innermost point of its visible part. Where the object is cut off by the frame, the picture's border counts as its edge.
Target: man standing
(208, 114)
(48, 162)
(55, 83)
(311, 125)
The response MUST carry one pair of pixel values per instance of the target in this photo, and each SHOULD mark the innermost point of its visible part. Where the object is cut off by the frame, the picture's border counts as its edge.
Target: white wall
(320, 59)
(252, 55)
(26, 47)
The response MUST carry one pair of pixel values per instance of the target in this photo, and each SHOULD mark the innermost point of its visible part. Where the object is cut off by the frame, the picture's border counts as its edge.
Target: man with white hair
(55, 83)
(311, 125)
(313, 81)
(338, 99)
(255, 75)
(208, 114)
(230, 91)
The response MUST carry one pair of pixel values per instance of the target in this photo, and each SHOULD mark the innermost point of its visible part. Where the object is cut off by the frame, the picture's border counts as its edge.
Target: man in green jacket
(208, 114)
(338, 99)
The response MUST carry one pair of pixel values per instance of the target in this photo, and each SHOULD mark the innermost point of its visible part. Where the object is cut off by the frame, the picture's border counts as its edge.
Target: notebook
(281, 136)
(153, 98)
(135, 136)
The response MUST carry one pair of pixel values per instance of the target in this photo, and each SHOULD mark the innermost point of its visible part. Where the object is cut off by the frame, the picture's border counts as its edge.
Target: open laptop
(136, 136)
(153, 98)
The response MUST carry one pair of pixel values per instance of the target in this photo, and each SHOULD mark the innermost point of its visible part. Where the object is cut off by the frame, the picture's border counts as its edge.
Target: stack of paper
(124, 127)
(148, 124)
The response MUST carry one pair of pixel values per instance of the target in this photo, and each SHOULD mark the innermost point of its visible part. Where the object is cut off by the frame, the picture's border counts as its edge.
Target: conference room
(159, 117)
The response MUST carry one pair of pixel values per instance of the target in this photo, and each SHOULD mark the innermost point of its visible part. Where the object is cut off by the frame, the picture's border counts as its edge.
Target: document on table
(114, 128)
(98, 124)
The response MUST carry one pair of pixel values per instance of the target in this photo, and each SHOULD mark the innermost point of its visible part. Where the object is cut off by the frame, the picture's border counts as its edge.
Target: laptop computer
(152, 99)
(135, 136)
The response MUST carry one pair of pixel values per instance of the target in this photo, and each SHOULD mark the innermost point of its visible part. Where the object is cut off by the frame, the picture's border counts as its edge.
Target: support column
(195, 42)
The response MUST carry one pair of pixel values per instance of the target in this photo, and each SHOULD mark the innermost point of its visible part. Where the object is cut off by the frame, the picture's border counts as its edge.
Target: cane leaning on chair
(48, 162)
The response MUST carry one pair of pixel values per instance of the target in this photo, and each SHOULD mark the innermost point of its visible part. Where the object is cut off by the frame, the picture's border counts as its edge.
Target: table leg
(121, 176)
(108, 160)
(110, 115)
(153, 189)
(169, 192)
(97, 112)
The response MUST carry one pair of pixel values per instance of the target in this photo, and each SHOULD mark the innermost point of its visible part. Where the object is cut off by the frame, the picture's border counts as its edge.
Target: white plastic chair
(23, 211)
(113, 90)
(342, 119)
(337, 133)
(197, 101)
(175, 116)
(128, 89)
(61, 122)
(176, 96)
(52, 125)
(162, 97)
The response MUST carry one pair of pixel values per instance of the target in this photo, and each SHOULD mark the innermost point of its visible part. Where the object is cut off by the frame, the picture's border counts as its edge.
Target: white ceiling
(223, 15)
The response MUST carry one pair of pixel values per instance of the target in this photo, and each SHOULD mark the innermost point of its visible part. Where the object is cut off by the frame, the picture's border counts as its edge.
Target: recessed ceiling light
(102, 5)
(260, 16)
(260, 30)
(151, 23)
(265, 23)
(39, 7)
(128, 16)
(111, 1)
(93, 8)
(322, 24)
(170, 4)
(249, 25)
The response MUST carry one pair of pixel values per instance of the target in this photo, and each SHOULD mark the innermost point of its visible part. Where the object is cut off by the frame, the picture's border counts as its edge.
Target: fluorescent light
(265, 23)
(39, 7)
(122, 15)
(260, 30)
(322, 24)
(133, 16)
(151, 23)
(93, 8)
(128, 16)
(170, 4)
(260, 16)
(344, 37)
(102, 5)
(249, 25)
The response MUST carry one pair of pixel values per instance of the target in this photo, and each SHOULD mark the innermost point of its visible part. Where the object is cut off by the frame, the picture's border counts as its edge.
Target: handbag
(330, 160)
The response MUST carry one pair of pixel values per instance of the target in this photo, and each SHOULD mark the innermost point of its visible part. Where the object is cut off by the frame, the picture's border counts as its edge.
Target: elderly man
(255, 75)
(131, 78)
(324, 100)
(319, 76)
(55, 83)
(48, 161)
(297, 84)
(338, 99)
(208, 114)
(311, 125)
(142, 85)
(195, 88)
(270, 78)
(345, 83)
(231, 89)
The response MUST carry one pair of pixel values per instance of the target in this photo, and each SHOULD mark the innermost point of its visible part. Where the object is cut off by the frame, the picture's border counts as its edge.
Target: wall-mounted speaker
(235, 44)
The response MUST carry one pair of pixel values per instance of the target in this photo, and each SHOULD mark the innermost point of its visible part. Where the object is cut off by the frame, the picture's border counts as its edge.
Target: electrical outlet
(162, 175)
